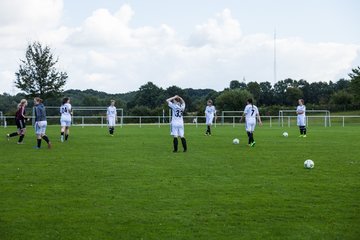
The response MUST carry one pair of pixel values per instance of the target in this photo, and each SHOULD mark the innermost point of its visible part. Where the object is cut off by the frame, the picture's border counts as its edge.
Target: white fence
(270, 121)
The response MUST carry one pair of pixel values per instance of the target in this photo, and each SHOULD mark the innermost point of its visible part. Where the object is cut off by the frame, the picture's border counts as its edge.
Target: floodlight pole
(274, 56)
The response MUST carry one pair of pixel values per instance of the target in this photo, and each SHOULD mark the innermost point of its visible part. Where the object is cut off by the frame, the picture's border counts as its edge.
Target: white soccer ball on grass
(236, 141)
(309, 164)
(285, 134)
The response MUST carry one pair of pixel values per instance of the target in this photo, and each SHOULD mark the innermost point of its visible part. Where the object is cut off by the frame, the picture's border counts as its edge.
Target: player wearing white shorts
(210, 114)
(111, 116)
(40, 122)
(301, 118)
(65, 119)
(251, 113)
(177, 105)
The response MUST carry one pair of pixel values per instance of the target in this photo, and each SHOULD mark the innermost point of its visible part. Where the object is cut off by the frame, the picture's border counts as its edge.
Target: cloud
(222, 30)
(27, 19)
(315, 61)
(105, 52)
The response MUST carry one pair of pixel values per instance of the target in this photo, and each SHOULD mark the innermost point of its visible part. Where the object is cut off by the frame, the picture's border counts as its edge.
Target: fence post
(288, 121)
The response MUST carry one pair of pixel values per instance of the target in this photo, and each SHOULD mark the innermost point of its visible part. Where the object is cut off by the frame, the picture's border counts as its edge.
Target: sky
(116, 46)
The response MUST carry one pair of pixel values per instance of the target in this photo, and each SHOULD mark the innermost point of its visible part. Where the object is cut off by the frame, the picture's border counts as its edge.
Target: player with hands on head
(177, 105)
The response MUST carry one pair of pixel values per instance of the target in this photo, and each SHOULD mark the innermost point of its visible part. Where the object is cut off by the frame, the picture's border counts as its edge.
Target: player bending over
(177, 105)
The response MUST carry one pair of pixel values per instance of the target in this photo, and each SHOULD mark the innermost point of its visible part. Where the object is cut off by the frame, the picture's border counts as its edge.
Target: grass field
(131, 186)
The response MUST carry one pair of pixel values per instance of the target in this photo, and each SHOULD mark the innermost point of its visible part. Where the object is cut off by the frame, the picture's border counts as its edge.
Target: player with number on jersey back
(251, 113)
(65, 119)
(177, 105)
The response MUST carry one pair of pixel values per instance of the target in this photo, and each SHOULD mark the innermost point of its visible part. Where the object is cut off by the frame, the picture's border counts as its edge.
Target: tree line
(37, 76)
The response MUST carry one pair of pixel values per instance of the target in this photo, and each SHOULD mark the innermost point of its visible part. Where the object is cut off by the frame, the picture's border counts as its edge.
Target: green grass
(131, 186)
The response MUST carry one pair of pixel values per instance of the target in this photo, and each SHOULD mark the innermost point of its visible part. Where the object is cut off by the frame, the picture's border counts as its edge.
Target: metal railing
(270, 121)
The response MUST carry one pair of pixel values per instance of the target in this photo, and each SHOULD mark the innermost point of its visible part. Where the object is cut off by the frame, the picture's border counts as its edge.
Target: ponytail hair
(22, 103)
(37, 99)
(65, 100)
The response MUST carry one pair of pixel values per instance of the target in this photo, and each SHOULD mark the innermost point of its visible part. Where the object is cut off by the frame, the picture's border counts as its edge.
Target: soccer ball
(236, 141)
(285, 134)
(309, 164)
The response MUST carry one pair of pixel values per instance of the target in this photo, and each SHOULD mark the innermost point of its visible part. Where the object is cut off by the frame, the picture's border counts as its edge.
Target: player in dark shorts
(20, 120)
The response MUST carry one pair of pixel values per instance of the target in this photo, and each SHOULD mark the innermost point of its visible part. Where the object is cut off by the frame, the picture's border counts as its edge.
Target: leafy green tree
(266, 94)
(149, 95)
(341, 84)
(254, 89)
(292, 95)
(342, 98)
(355, 84)
(233, 100)
(37, 75)
(234, 84)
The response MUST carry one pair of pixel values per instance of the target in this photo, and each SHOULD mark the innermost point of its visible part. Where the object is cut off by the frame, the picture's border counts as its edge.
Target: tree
(149, 95)
(342, 98)
(234, 84)
(37, 75)
(355, 84)
(233, 100)
(292, 95)
(254, 89)
(266, 94)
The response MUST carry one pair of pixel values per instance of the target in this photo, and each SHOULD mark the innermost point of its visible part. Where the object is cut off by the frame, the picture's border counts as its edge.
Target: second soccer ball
(309, 164)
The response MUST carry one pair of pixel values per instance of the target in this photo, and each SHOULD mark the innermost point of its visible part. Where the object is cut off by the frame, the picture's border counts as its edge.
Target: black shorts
(20, 123)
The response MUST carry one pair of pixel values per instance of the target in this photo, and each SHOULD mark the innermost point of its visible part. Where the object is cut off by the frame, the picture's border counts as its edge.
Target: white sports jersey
(65, 110)
(250, 112)
(111, 111)
(301, 119)
(210, 114)
(301, 108)
(210, 111)
(177, 114)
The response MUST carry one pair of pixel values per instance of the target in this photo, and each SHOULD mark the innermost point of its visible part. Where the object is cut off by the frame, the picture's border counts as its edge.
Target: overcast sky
(116, 46)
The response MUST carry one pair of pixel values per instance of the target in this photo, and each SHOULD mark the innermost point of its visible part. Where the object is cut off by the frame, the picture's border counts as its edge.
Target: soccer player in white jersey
(65, 119)
(301, 118)
(177, 105)
(111, 116)
(251, 113)
(210, 114)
